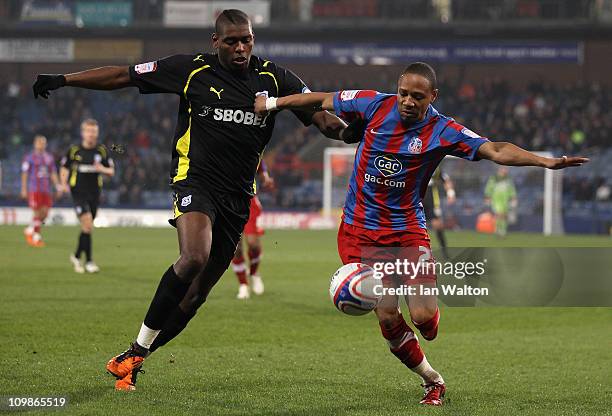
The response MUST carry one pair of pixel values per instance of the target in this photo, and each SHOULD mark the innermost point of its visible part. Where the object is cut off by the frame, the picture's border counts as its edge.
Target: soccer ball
(352, 289)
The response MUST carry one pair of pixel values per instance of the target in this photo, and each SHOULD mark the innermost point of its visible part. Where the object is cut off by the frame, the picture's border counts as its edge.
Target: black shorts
(84, 203)
(432, 210)
(228, 214)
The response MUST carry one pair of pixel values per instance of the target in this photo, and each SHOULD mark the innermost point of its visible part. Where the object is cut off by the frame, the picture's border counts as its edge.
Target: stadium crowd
(542, 116)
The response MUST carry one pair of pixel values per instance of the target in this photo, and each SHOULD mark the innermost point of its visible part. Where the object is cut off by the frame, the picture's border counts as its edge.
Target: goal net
(538, 190)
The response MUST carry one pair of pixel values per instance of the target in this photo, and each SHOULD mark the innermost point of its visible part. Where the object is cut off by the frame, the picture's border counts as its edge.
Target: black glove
(47, 82)
(354, 132)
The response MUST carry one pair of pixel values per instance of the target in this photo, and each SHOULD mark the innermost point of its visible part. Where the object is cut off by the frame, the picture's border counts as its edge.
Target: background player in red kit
(404, 141)
(38, 172)
(253, 232)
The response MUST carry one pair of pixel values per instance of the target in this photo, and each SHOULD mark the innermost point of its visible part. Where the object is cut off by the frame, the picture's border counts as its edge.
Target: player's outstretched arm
(329, 124)
(307, 101)
(504, 153)
(104, 78)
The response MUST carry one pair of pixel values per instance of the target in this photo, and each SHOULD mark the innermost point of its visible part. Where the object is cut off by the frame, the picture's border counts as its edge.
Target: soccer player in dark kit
(217, 146)
(81, 170)
(432, 204)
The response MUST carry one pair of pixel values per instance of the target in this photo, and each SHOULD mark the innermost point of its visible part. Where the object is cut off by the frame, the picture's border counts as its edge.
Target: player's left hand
(99, 167)
(47, 82)
(354, 132)
(565, 162)
(260, 105)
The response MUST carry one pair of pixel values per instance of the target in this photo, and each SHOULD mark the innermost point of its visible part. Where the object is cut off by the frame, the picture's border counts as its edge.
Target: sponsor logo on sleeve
(470, 133)
(348, 94)
(146, 67)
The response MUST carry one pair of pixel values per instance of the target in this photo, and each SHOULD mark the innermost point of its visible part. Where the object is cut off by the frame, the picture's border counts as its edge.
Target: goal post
(553, 199)
(540, 190)
(333, 178)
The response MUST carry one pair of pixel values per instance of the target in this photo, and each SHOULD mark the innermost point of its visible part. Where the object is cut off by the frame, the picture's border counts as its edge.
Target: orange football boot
(128, 383)
(125, 366)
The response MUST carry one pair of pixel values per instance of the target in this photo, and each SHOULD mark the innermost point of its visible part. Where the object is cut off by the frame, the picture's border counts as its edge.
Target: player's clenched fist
(47, 82)
(260, 104)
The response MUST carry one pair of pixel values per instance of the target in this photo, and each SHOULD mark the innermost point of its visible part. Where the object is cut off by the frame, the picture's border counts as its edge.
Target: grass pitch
(288, 352)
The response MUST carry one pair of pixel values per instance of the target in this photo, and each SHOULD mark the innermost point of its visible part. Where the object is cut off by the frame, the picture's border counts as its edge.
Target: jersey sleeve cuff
(337, 104)
(474, 155)
(134, 78)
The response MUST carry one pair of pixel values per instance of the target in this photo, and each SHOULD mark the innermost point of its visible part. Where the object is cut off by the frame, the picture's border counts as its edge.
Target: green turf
(288, 352)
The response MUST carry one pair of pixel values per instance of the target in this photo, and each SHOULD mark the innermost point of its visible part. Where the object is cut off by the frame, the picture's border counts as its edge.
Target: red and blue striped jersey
(39, 167)
(394, 161)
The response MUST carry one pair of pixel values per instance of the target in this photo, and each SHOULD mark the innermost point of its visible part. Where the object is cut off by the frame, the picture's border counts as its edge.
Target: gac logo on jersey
(240, 117)
(388, 165)
(213, 89)
(415, 146)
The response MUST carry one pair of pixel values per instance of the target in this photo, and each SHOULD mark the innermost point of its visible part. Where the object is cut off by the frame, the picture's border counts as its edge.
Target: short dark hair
(231, 16)
(89, 122)
(424, 70)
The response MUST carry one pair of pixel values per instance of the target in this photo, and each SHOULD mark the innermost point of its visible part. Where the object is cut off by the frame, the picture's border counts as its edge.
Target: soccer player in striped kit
(38, 172)
(404, 141)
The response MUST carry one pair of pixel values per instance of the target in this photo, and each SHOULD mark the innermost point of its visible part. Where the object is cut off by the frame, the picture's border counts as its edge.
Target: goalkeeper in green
(500, 194)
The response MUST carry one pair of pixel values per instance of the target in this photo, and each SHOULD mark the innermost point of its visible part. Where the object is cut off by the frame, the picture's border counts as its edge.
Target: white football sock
(427, 372)
(146, 336)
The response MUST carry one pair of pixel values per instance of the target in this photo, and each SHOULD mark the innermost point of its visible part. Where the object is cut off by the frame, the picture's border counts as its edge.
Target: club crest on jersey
(415, 146)
(186, 201)
(388, 165)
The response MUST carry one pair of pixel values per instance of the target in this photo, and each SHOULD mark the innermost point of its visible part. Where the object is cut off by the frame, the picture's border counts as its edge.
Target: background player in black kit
(432, 204)
(217, 145)
(81, 170)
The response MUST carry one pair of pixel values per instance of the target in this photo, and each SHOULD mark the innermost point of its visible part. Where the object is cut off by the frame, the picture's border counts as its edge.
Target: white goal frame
(553, 189)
